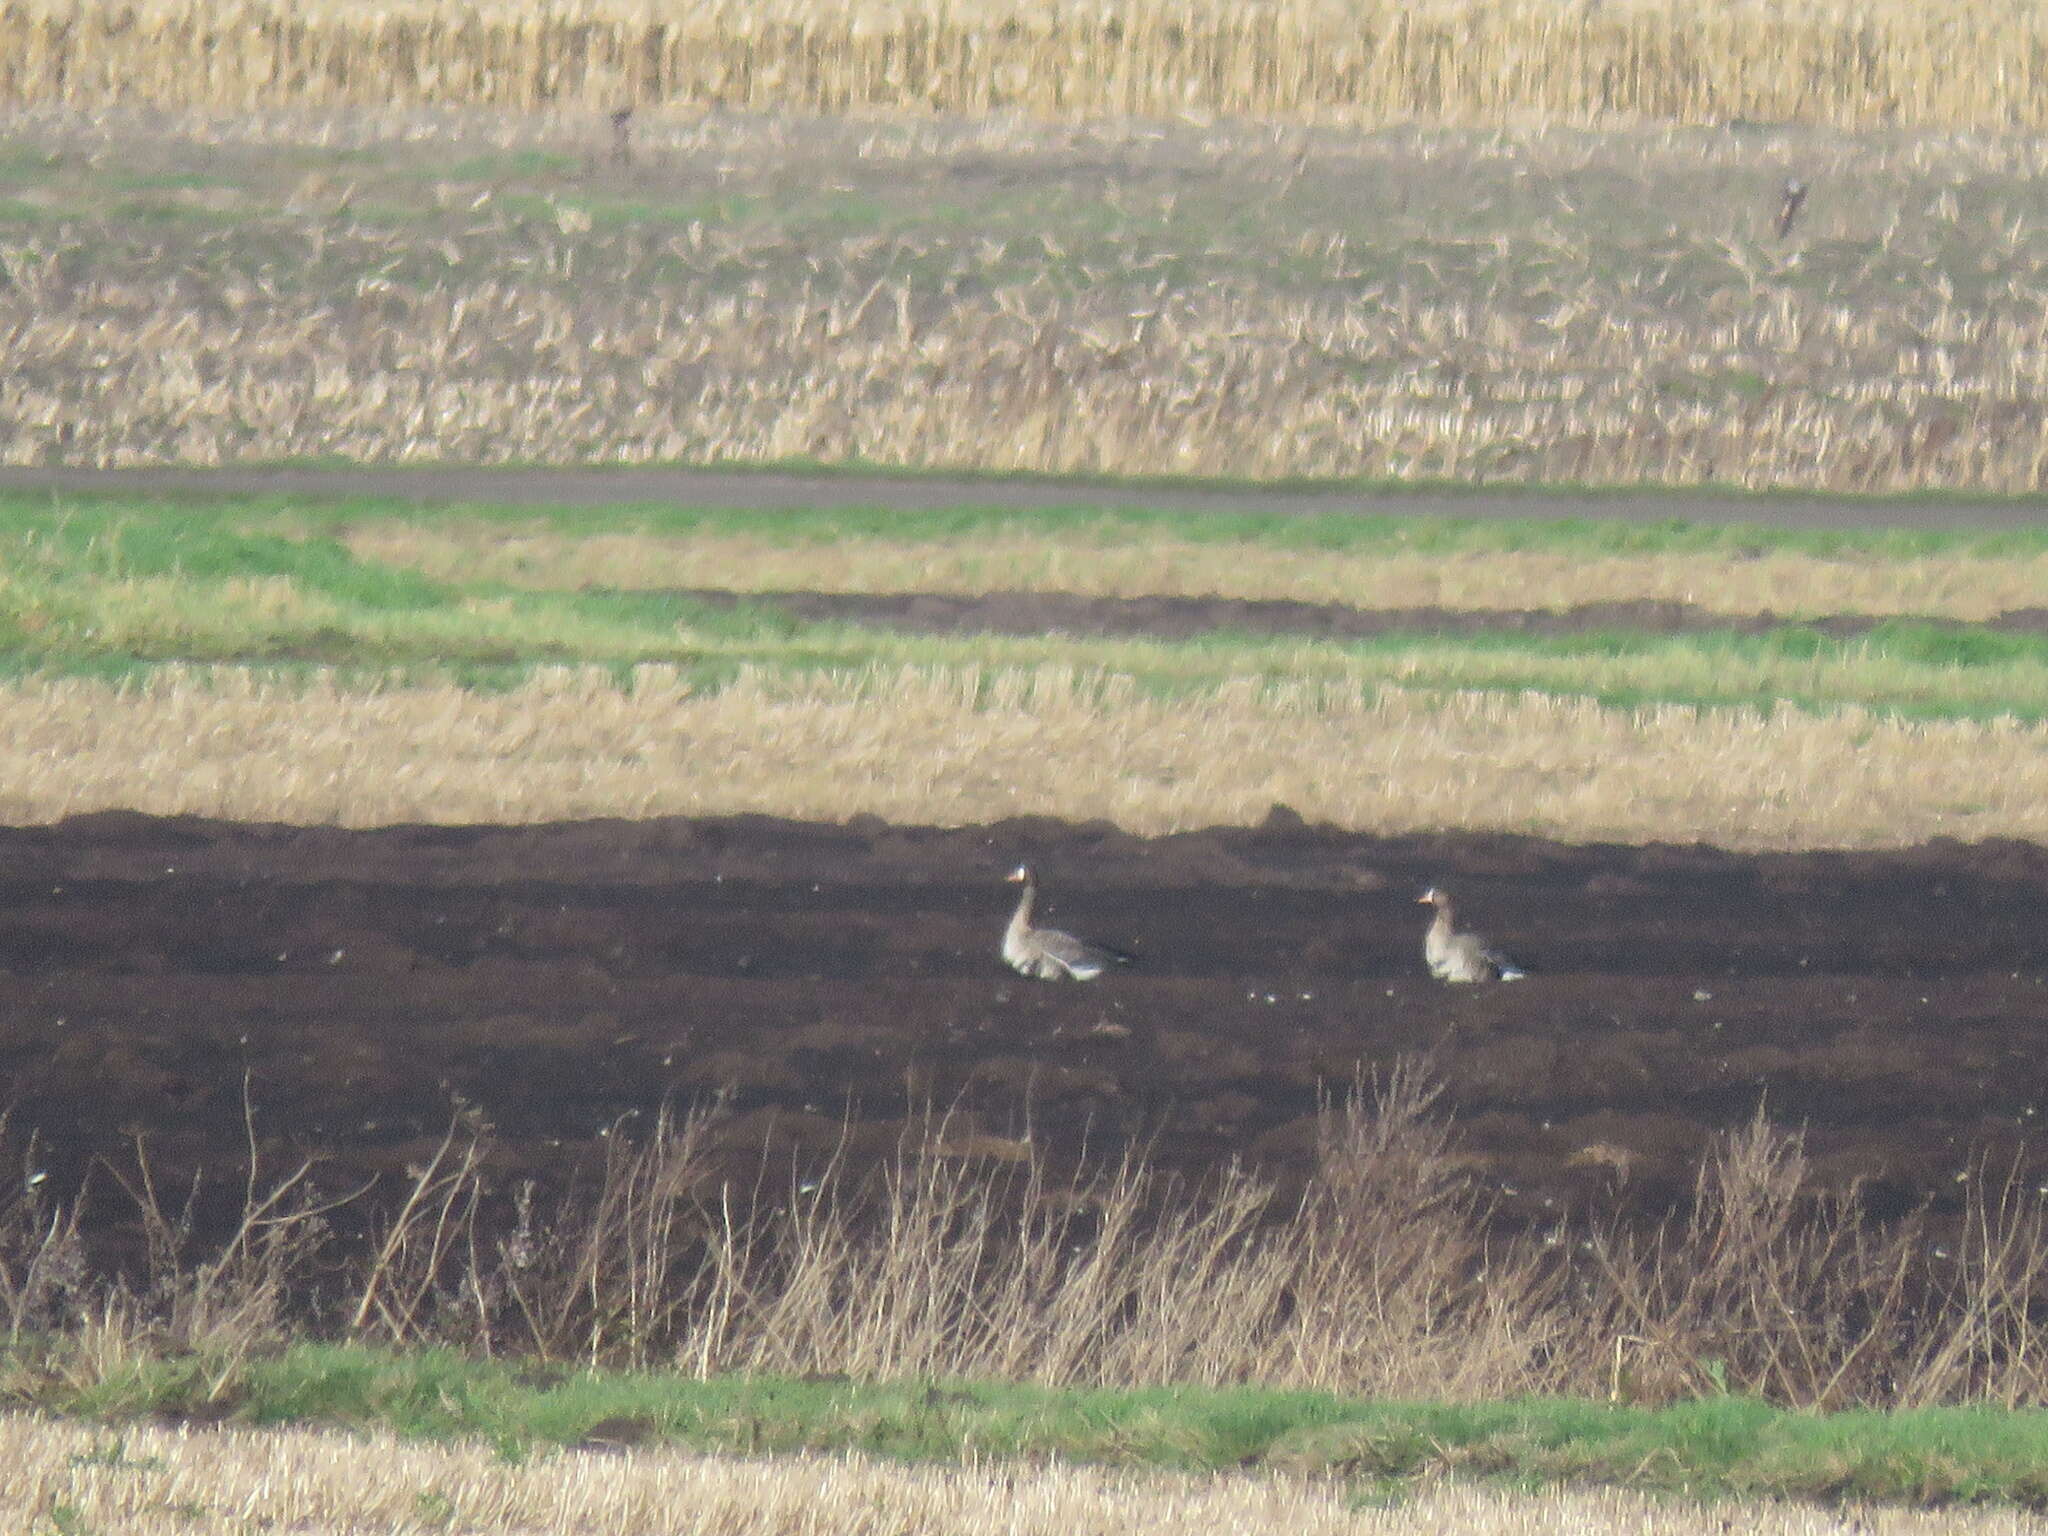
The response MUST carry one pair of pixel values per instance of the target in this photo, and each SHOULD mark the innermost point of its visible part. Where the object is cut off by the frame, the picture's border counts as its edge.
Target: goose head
(1435, 896)
(1021, 875)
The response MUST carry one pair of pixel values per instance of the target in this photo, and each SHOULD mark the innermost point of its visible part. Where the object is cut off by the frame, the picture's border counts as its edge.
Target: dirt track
(1181, 618)
(770, 488)
(562, 977)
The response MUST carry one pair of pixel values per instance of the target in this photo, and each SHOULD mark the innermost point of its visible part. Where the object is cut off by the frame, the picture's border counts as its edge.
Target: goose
(1048, 953)
(1455, 956)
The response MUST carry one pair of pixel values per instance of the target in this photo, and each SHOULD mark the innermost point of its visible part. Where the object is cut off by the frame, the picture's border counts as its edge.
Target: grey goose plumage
(1047, 953)
(1460, 957)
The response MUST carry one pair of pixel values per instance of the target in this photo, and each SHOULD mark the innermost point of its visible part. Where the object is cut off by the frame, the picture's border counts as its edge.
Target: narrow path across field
(1178, 618)
(772, 488)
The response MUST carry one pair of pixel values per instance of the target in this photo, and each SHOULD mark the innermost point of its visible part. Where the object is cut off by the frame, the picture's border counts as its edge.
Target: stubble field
(1505, 304)
(155, 1482)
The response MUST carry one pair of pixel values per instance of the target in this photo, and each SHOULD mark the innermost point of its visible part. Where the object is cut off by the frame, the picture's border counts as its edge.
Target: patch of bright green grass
(1711, 1447)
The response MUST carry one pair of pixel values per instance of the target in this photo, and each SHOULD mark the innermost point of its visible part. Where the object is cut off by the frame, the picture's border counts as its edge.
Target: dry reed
(952, 747)
(1382, 1280)
(1957, 587)
(152, 1481)
(1976, 65)
(1780, 1287)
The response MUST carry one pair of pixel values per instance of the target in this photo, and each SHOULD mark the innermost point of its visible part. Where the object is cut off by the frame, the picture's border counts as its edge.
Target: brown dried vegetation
(1381, 1280)
(955, 746)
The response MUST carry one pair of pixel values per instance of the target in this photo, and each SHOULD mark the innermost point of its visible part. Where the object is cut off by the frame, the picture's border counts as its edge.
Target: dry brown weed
(1382, 1278)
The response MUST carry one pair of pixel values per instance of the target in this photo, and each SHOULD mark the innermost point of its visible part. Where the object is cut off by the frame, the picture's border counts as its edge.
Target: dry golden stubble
(148, 1480)
(1893, 346)
(1970, 63)
(1112, 564)
(1613, 383)
(968, 745)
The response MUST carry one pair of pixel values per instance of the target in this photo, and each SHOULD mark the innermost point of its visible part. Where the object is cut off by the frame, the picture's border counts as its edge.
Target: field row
(105, 586)
(1975, 65)
(944, 745)
(1531, 306)
(148, 1480)
(1359, 562)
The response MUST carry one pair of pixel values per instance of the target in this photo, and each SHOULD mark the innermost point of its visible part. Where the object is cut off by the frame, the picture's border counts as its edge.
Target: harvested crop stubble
(1976, 64)
(1229, 383)
(151, 1481)
(961, 745)
(1141, 299)
(1955, 587)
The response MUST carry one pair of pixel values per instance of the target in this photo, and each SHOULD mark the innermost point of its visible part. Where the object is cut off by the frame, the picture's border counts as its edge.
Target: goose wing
(1079, 958)
(1459, 958)
(1506, 968)
(1467, 957)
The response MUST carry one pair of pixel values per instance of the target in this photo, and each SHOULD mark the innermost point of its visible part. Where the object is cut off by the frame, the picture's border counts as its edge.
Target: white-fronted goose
(1455, 956)
(1048, 953)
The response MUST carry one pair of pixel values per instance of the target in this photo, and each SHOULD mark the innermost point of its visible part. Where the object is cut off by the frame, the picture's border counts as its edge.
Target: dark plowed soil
(834, 977)
(1178, 618)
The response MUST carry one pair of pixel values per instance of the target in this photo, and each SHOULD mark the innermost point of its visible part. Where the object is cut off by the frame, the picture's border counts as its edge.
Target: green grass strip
(1712, 1447)
(1435, 527)
(113, 590)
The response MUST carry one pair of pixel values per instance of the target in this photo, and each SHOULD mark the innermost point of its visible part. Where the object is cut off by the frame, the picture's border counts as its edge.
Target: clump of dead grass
(955, 746)
(943, 1263)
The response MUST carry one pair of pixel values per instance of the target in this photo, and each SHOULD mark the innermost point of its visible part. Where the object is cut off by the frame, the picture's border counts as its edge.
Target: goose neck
(1020, 920)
